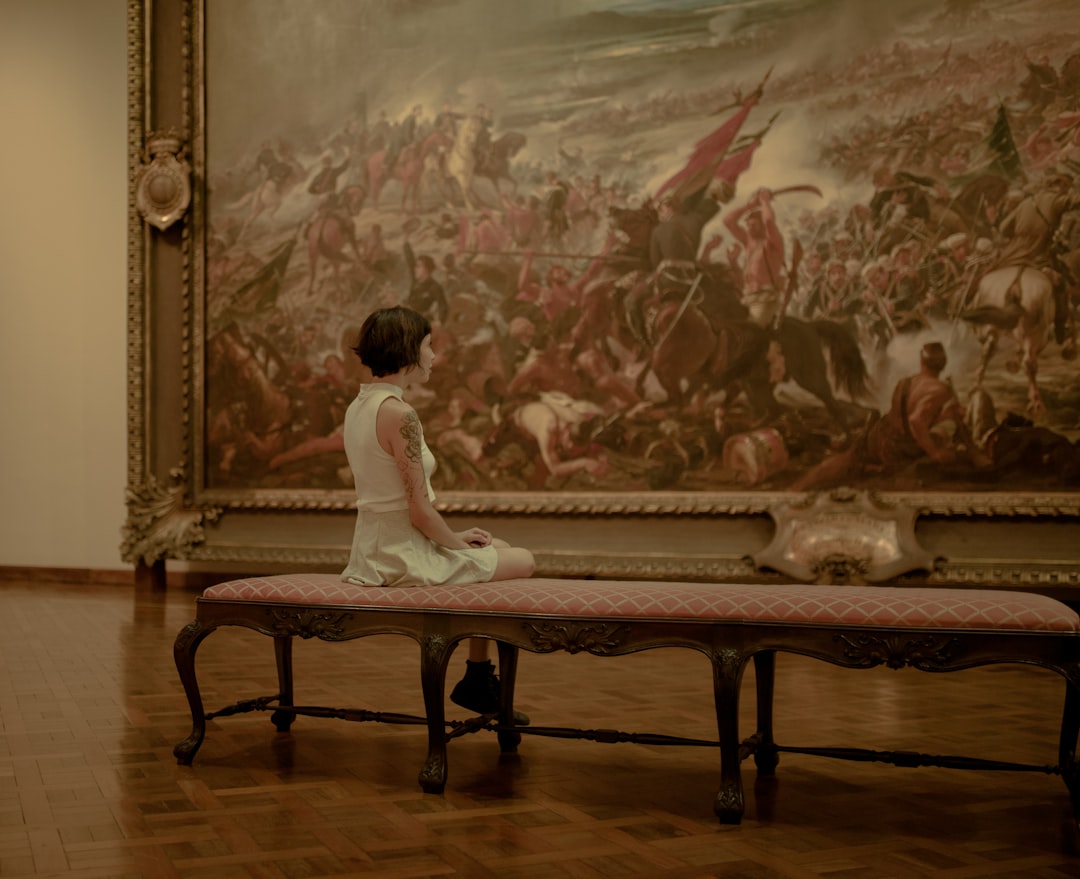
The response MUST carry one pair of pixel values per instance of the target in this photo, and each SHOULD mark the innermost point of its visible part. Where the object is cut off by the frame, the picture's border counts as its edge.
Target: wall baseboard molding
(86, 576)
(105, 577)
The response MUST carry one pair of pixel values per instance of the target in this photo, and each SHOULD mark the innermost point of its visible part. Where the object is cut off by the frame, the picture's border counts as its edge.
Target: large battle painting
(664, 246)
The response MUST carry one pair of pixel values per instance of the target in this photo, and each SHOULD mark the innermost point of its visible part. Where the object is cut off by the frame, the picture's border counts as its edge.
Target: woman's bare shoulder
(396, 412)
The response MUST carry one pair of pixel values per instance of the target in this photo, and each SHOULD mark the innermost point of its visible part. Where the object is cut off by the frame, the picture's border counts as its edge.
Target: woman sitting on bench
(400, 538)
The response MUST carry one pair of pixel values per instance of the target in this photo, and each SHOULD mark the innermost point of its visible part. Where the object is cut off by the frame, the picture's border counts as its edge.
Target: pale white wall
(63, 197)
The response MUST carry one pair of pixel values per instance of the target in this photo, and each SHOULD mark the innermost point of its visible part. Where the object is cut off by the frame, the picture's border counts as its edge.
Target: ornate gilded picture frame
(683, 262)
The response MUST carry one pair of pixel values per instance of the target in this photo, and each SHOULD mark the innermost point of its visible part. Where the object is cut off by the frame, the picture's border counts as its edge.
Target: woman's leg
(479, 689)
(514, 562)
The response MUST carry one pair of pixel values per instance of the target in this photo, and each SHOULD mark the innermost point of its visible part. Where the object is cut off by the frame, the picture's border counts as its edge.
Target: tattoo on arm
(411, 433)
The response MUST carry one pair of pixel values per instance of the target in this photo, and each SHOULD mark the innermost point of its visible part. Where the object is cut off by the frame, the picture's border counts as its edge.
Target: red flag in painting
(708, 153)
(731, 167)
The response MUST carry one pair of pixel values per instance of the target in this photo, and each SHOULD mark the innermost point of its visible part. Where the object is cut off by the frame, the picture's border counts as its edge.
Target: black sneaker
(480, 691)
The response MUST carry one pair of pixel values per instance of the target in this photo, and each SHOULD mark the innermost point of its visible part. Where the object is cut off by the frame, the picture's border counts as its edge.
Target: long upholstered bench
(936, 630)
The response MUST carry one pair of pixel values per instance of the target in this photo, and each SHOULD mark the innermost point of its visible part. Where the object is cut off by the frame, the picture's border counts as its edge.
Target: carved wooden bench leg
(728, 665)
(508, 662)
(435, 652)
(766, 756)
(187, 642)
(281, 718)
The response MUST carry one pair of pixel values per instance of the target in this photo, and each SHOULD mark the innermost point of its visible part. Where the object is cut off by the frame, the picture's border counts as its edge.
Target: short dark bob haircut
(390, 340)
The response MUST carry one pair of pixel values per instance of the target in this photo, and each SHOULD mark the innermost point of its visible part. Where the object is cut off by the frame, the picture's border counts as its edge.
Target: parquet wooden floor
(90, 708)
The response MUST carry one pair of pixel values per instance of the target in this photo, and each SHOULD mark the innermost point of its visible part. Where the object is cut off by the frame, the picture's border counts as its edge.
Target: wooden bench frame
(729, 645)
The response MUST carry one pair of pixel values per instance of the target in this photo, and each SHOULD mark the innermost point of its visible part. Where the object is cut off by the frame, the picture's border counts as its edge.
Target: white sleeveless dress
(387, 550)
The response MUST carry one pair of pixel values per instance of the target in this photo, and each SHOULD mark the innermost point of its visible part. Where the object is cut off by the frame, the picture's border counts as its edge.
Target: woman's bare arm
(399, 428)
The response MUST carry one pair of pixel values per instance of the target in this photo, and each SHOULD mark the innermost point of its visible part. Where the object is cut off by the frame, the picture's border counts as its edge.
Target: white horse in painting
(1017, 303)
(461, 160)
(266, 198)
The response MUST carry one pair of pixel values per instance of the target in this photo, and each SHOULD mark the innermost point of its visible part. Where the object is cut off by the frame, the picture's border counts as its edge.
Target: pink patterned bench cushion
(824, 605)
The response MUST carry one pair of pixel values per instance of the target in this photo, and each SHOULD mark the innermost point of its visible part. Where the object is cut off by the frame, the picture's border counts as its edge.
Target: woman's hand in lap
(476, 537)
